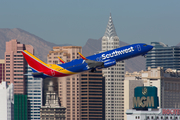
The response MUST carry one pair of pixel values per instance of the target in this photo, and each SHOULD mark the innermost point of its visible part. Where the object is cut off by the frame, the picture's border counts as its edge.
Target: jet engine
(109, 63)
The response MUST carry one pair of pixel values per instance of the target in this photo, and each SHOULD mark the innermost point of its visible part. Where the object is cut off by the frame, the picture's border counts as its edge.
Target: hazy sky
(74, 22)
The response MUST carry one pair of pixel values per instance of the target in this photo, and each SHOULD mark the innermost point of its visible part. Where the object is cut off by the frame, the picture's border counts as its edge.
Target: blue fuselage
(122, 53)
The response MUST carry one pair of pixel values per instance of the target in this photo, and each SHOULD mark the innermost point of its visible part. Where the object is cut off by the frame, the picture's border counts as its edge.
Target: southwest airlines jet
(101, 60)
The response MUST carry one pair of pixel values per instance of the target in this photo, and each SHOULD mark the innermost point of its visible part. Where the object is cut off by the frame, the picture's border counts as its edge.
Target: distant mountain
(178, 44)
(134, 64)
(41, 46)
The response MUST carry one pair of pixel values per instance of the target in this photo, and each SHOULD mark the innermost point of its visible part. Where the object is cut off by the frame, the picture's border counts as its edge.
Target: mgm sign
(145, 97)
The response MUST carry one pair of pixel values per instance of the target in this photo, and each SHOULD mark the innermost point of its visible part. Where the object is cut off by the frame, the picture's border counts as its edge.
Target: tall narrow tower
(15, 65)
(114, 77)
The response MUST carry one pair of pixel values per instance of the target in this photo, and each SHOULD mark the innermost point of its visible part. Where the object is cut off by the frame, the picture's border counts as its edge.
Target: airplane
(93, 62)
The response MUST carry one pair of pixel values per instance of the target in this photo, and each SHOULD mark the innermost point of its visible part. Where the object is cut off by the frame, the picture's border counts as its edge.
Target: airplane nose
(150, 47)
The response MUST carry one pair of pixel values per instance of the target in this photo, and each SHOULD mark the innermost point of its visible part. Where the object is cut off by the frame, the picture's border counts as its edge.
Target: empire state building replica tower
(114, 77)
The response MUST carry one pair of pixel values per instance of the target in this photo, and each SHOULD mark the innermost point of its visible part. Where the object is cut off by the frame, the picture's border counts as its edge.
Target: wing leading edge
(92, 64)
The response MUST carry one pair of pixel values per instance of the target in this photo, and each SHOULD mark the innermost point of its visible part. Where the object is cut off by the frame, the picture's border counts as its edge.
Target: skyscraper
(92, 95)
(163, 56)
(20, 107)
(34, 95)
(68, 87)
(15, 65)
(131, 81)
(2, 70)
(114, 77)
(6, 101)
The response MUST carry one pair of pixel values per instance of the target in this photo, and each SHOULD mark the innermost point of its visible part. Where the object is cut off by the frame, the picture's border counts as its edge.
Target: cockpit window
(145, 45)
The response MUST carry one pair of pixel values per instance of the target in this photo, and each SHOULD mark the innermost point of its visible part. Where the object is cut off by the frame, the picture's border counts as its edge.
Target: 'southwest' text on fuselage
(115, 53)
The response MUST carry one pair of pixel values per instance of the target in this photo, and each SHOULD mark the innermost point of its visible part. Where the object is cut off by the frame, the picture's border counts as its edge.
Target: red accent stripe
(61, 61)
(83, 57)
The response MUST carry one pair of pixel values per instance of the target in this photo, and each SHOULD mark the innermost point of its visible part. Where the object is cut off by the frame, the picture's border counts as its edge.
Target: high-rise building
(52, 109)
(167, 81)
(131, 81)
(34, 95)
(20, 107)
(163, 56)
(114, 77)
(2, 70)
(6, 101)
(15, 65)
(68, 87)
(92, 95)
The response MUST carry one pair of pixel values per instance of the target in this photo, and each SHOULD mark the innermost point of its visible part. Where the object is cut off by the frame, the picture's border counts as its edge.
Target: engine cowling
(109, 63)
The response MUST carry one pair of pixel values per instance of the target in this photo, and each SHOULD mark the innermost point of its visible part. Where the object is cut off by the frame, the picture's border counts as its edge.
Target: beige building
(129, 84)
(16, 65)
(68, 87)
(167, 82)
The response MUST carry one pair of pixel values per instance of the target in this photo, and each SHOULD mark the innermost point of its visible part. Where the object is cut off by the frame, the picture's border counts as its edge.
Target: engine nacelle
(109, 63)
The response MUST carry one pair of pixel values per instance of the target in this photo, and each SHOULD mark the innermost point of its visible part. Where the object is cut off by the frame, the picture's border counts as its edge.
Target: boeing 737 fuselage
(100, 60)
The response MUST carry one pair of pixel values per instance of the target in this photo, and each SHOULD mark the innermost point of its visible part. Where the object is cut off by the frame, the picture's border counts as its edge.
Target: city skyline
(69, 88)
(57, 61)
(136, 21)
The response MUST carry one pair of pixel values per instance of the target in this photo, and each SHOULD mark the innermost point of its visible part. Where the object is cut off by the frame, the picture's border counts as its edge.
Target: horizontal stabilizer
(36, 74)
(28, 74)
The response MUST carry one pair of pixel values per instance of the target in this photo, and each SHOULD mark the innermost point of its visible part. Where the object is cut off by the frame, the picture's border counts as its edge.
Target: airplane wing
(94, 64)
(61, 60)
(84, 58)
(91, 63)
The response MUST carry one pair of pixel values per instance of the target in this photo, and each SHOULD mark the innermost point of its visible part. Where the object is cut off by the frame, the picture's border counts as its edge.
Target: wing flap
(94, 64)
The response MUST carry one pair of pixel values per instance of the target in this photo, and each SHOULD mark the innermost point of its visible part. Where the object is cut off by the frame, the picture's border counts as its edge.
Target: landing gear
(144, 55)
(93, 70)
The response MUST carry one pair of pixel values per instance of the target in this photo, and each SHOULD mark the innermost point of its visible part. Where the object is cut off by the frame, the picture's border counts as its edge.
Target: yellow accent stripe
(60, 69)
(84, 58)
(61, 60)
(34, 57)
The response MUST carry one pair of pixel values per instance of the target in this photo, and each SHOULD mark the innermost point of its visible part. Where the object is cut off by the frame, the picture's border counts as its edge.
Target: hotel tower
(114, 77)
(68, 87)
(15, 65)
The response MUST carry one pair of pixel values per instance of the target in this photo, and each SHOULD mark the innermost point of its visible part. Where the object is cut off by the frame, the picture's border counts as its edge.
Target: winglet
(61, 60)
(82, 56)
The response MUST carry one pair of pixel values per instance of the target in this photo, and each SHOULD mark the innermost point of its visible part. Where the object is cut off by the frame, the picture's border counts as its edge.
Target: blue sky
(74, 22)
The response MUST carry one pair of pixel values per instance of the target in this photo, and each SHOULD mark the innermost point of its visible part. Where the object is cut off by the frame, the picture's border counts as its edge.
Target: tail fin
(35, 63)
